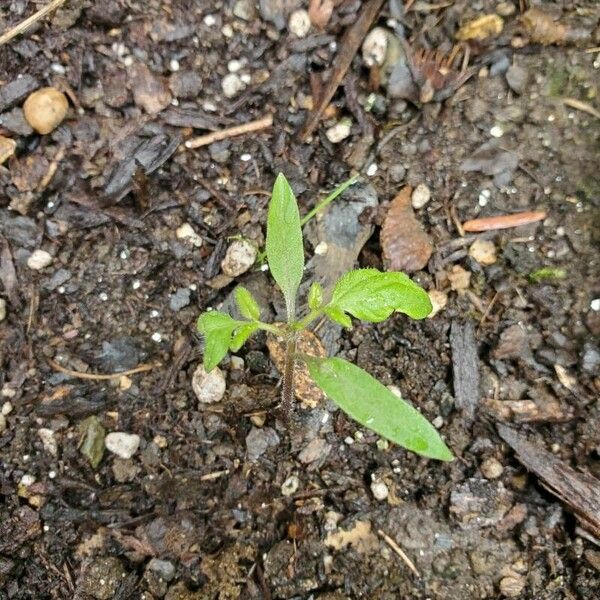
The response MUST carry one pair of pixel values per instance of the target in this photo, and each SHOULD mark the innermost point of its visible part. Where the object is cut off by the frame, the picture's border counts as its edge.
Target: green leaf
(247, 304)
(217, 329)
(241, 336)
(315, 296)
(371, 295)
(371, 404)
(339, 316)
(285, 250)
(547, 274)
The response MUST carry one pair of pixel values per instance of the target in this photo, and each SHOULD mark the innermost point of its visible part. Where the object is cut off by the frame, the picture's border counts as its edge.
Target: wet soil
(221, 500)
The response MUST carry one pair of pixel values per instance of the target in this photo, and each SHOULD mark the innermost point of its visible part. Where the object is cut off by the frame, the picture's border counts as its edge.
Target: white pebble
(27, 480)
(234, 65)
(374, 47)
(156, 337)
(39, 259)
(372, 169)
(187, 232)
(438, 422)
(340, 131)
(136, 284)
(2, 309)
(227, 30)
(210, 20)
(380, 490)
(299, 23)
(232, 85)
(240, 256)
(484, 197)
(208, 387)
(290, 485)
(420, 196)
(245, 77)
(237, 363)
(124, 445)
(496, 131)
(321, 248)
(246, 157)
(594, 305)
(6, 408)
(48, 441)
(209, 106)
(439, 300)
(491, 468)
(174, 65)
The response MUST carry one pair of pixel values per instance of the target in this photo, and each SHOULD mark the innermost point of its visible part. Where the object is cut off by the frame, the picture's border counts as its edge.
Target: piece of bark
(406, 247)
(348, 47)
(465, 367)
(579, 491)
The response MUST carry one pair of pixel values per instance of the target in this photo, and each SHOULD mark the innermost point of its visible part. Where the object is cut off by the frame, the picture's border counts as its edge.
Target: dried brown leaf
(406, 247)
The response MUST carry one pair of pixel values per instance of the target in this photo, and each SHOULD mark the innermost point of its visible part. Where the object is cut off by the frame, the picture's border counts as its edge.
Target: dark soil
(220, 500)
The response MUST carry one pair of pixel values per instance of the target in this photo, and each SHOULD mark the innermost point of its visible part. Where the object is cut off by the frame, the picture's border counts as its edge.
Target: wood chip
(406, 247)
(465, 367)
(579, 491)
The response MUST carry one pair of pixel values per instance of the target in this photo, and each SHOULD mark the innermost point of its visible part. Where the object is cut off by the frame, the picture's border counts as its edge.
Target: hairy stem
(287, 387)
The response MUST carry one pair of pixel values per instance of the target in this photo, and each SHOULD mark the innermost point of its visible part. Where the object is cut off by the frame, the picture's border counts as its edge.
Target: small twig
(348, 48)
(592, 50)
(215, 475)
(27, 23)
(60, 154)
(504, 221)
(82, 375)
(394, 546)
(582, 106)
(229, 132)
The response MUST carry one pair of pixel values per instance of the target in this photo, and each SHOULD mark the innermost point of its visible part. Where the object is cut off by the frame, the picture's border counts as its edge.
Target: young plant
(366, 294)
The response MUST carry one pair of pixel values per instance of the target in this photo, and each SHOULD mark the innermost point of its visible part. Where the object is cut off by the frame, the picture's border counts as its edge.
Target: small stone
(39, 259)
(374, 48)
(2, 309)
(317, 449)
(496, 131)
(2, 423)
(397, 173)
(512, 586)
(163, 568)
(7, 148)
(299, 23)
(180, 299)
(290, 485)
(259, 440)
(491, 468)
(150, 91)
(483, 251)
(160, 441)
(340, 131)
(505, 9)
(124, 445)
(517, 78)
(379, 490)
(45, 109)
(232, 85)
(48, 441)
(124, 469)
(245, 10)
(240, 256)
(439, 300)
(237, 363)
(187, 232)
(208, 387)
(185, 84)
(420, 196)
(6, 408)
(459, 278)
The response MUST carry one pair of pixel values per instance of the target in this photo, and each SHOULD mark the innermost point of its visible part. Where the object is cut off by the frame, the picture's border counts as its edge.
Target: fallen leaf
(308, 343)
(360, 537)
(406, 247)
(481, 28)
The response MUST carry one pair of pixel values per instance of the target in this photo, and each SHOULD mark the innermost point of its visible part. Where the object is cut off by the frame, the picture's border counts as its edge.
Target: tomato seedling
(365, 294)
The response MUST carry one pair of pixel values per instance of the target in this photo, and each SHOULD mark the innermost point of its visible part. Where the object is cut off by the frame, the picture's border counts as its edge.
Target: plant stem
(287, 387)
(321, 205)
(307, 320)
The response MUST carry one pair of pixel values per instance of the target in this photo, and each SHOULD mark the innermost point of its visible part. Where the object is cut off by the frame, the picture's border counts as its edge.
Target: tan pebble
(491, 468)
(459, 278)
(483, 251)
(7, 148)
(506, 9)
(46, 109)
(439, 300)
